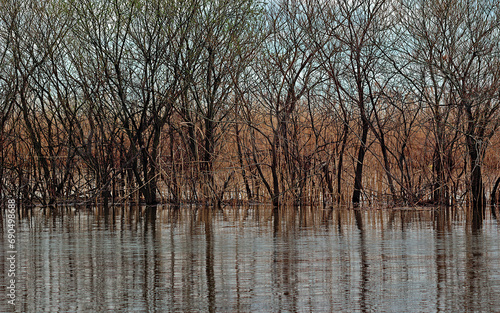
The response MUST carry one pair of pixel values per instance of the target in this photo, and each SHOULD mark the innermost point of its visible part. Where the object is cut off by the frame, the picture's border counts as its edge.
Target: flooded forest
(249, 155)
(362, 103)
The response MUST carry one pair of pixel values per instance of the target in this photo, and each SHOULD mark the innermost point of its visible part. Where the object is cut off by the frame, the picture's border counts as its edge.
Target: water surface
(254, 260)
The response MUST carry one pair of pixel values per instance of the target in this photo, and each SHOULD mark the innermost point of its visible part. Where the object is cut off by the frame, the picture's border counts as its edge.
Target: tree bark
(358, 176)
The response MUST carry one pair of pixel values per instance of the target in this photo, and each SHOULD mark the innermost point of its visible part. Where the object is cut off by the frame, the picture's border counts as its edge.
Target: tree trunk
(358, 176)
(494, 199)
(240, 159)
(274, 172)
(208, 174)
(341, 161)
(477, 188)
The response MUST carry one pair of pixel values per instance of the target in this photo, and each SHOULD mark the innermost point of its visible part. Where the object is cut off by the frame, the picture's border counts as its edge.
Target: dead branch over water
(339, 103)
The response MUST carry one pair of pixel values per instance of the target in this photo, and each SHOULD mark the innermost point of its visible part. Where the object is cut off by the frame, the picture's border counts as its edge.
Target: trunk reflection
(255, 259)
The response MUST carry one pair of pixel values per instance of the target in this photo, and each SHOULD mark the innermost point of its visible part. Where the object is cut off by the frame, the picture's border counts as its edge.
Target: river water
(253, 259)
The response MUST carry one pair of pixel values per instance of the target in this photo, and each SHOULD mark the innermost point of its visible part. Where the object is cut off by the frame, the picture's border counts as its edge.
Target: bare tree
(353, 61)
(37, 31)
(7, 92)
(461, 54)
(285, 72)
(136, 48)
(219, 48)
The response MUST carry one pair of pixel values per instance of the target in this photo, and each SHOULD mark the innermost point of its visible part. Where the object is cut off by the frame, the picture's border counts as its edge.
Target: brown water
(254, 260)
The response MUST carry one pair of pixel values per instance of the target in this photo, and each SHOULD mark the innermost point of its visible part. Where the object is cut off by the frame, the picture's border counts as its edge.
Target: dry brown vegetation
(339, 103)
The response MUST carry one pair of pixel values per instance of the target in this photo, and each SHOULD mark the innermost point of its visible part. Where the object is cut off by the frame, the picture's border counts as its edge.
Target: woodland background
(336, 103)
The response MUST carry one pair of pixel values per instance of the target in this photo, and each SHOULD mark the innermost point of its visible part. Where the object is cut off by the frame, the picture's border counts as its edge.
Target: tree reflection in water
(256, 259)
